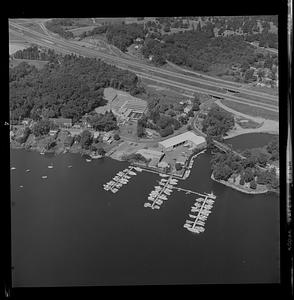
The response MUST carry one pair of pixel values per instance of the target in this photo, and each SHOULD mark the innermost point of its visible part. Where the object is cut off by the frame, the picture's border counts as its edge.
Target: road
(263, 100)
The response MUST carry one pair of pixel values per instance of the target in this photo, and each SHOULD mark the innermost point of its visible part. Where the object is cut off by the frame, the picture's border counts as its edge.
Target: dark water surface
(66, 230)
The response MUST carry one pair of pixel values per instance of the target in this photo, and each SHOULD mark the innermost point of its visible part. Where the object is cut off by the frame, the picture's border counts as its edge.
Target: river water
(66, 230)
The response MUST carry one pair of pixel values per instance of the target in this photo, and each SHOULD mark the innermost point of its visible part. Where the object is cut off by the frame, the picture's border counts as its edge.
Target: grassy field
(78, 31)
(252, 111)
(270, 91)
(173, 94)
(15, 47)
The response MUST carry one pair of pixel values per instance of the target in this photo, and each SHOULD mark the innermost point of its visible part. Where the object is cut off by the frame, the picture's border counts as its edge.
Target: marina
(120, 179)
(160, 192)
(202, 207)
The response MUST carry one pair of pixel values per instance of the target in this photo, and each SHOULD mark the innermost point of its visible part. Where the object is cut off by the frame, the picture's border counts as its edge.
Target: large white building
(187, 138)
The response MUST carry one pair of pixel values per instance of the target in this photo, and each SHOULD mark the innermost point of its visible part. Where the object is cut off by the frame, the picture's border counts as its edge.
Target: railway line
(263, 100)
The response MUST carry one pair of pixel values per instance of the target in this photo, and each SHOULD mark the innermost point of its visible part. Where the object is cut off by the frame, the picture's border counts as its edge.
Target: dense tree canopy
(56, 26)
(69, 89)
(104, 122)
(217, 122)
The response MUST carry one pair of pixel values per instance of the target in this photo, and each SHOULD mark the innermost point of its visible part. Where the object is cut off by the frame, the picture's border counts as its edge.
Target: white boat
(69, 166)
(195, 210)
(189, 222)
(114, 190)
(44, 177)
(163, 175)
(173, 183)
(151, 198)
(159, 201)
(118, 185)
(162, 197)
(88, 160)
(187, 226)
(42, 153)
(158, 187)
(207, 206)
(147, 204)
(21, 186)
(28, 170)
(169, 190)
(138, 169)
(128, 177)
(192, 216)
(50, 167)
(161, 183)
(156, 207)
(211, 195)
(13, 168)
(132, 173)
(169, 186)
(200, 223)
(95, 156)
(166, 192)
(163, 180)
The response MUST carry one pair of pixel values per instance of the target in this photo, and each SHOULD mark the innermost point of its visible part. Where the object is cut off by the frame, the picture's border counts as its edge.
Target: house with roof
(62, 122)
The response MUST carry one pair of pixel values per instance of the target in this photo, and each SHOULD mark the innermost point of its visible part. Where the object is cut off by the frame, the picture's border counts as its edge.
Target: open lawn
(15, 47)
(252, 111)
(79, 30)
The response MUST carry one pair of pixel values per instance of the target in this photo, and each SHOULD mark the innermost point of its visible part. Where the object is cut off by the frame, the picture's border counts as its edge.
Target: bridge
(227, 148)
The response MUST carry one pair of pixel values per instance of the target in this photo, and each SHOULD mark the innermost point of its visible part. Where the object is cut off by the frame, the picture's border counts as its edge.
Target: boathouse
(188, 138)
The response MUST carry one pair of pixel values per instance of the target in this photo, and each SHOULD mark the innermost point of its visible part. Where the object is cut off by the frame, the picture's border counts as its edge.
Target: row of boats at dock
(199, 213)
(161, 192)
(120, 179)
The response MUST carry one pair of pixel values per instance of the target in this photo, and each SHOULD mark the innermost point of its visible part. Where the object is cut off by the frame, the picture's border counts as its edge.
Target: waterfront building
(62, 122)
(122, 104)
(188, 137)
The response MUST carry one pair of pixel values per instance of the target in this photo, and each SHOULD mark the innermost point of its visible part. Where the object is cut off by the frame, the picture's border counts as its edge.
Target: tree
(116, 137)
(253, 184)
(248, 175)
(183, 119)
(69, 140)
(101, 151)
(248, 76)
(189, 127)
(178, 166)
(242, 181)
(190, 114)
(86, 139)
(140, 131)
(195, 107)
(41, 128)
(166, 131)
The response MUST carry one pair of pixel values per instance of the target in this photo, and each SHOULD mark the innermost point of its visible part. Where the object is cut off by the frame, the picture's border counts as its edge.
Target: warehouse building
(188, 138)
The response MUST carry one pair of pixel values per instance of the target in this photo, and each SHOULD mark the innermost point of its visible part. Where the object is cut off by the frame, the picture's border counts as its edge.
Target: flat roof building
(188, 137)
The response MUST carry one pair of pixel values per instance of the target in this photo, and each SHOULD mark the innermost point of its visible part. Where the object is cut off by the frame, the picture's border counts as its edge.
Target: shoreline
(243, 190)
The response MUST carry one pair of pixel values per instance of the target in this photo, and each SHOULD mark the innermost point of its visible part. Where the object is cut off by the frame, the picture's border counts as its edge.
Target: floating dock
(161, 192)
(200, 212)
(120, 179)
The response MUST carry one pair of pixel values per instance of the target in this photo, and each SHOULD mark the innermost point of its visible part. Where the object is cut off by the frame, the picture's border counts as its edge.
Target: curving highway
(170, 78)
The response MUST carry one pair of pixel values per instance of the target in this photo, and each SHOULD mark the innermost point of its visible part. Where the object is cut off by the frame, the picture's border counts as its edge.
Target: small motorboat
(28, 170)
(69, 166)
(88, 160)
(13, 168)
(147, 204)
(21, 186)
(50, 167)
(44, 177)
